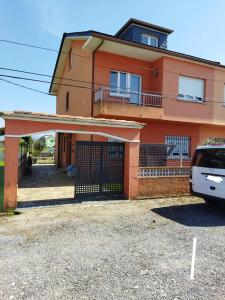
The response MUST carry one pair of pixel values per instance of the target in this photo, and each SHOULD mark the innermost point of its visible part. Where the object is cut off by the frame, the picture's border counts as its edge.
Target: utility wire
(80, 81)
(40, 47)
(68, 53)
(46, 75)
(166, 96)
(23, 86)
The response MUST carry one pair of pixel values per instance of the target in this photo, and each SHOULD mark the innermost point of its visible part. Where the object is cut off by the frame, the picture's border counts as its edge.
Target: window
(182, 146)
(118, 82)
(70, 59)
(149, 40)
(67, 100)
(191, 89)
(125, 85)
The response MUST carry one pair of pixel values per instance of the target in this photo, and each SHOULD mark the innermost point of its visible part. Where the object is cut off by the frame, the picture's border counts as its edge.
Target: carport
(19, 124)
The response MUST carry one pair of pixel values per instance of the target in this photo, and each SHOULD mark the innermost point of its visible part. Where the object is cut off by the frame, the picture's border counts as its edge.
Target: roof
(67, 119)
(103, 36)
(143, 24)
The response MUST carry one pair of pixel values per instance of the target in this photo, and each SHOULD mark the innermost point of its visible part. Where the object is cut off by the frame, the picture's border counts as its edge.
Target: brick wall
(163, 186)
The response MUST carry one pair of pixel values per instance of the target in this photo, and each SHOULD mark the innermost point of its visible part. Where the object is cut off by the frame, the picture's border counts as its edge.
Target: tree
(38, 147)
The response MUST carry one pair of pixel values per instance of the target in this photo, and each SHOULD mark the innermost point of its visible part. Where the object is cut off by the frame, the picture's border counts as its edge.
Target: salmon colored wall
(131, 167)
(19, 127)
(179, 110)
(155, 132)
(211, 131)
(105, 62)
(219, 103)
(80, 98)
(11, 172)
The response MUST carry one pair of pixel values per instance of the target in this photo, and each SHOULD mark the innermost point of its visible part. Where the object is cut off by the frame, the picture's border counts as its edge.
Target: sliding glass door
(135, 88)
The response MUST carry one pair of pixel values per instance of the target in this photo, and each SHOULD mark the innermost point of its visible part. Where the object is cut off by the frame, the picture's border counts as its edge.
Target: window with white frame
(182, 145)
(118, 82)
(125, 85)
(149, 40)
(191, 89)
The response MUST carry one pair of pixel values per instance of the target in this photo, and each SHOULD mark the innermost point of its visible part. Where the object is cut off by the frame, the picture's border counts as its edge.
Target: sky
(199, 30)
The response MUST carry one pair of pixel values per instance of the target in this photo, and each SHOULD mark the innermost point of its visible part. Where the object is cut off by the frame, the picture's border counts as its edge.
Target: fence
(159, 175)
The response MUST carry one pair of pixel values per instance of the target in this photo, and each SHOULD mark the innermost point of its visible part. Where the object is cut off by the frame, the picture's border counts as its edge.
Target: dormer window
(149, 40)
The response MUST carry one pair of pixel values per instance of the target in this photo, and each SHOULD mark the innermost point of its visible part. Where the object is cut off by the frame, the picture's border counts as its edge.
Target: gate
(99, 170)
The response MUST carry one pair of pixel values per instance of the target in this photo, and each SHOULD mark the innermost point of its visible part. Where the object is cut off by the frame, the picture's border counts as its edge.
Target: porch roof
(68, 119)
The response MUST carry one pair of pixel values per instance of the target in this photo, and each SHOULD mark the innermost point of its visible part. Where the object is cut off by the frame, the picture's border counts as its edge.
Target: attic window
(149, 40)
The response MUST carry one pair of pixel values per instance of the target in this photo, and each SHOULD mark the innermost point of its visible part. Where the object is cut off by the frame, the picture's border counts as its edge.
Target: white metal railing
(164, 171)
(128, 96)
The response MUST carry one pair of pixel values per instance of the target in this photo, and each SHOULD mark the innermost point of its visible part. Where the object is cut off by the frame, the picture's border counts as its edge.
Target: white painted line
(193, 258)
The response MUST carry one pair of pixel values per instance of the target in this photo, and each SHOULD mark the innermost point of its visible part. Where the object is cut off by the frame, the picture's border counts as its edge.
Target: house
(133, 76)
(129, 114)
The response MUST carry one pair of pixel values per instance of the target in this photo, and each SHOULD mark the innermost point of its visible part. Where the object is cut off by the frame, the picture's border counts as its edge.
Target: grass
(9, 212)
(2, 163)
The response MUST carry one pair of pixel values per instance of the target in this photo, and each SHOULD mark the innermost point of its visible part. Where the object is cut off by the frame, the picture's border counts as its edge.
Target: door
(135, 89)
(99, 170)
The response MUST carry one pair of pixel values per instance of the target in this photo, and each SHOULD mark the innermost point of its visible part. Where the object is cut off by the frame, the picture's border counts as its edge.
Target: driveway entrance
(99, 170)
(46, 185)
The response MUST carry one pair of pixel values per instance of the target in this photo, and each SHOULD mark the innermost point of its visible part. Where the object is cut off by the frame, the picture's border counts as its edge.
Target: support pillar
(131, 167)
(11, 171)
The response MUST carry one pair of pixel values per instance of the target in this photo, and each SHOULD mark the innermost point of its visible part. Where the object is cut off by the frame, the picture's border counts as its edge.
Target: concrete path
(46, 183)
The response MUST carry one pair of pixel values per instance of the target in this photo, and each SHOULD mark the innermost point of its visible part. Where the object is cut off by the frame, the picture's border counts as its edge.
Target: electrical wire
(23, 86)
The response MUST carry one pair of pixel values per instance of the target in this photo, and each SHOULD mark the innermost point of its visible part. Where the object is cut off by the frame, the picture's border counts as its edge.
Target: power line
(64, 52)
(43, 81)
(46, 75)
(80, 81)
(167, 96)
(23, 86)
(40, 47)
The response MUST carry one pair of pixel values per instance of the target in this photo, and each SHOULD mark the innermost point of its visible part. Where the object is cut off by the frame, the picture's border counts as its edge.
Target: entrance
(99, 169)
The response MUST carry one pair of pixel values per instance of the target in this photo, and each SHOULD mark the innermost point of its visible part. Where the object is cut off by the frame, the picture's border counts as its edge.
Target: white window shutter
(193, 87)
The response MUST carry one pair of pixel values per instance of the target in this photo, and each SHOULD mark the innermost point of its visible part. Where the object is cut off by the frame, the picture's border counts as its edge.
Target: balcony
(126, 96)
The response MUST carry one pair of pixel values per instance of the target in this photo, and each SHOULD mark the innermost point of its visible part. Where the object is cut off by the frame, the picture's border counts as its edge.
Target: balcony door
(135, 88)
(125, 85)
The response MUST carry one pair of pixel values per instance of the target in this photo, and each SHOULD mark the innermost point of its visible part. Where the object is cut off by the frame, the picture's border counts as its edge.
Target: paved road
(121, 250)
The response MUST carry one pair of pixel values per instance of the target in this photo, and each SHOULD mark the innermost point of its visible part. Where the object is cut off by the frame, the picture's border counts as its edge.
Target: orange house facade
(133, 76)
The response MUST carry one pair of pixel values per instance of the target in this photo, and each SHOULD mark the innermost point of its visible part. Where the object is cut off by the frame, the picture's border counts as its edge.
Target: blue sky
(199, 30)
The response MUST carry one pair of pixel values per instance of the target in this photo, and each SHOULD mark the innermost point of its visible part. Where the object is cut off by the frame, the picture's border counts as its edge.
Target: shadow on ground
(199, 214)
(47, 202)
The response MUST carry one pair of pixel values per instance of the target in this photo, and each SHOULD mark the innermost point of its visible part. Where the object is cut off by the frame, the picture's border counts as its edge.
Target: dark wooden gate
(99, 170)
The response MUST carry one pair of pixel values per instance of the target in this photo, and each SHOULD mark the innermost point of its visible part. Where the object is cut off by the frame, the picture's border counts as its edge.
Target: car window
(210, 158)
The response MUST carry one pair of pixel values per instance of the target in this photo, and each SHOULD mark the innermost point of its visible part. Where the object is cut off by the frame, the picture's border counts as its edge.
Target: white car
(208, 173)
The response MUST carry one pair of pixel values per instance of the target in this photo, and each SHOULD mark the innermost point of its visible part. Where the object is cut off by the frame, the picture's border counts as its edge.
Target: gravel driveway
(120, 250)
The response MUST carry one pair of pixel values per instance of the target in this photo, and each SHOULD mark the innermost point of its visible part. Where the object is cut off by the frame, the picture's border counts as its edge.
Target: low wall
(153, 187)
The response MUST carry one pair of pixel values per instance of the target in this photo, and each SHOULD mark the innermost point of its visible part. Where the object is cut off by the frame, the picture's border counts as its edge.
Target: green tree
(38, 147)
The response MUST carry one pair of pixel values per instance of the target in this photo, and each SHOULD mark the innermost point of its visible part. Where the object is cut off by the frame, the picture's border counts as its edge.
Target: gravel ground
(119, 250)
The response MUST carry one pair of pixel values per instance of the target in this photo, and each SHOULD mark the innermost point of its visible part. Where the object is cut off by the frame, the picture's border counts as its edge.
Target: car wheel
(208, 201)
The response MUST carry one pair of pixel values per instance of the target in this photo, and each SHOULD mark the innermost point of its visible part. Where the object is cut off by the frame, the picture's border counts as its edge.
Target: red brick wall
(163, 186)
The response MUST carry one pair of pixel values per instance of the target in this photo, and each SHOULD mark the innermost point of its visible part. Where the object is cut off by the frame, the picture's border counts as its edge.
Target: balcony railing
(128, 96)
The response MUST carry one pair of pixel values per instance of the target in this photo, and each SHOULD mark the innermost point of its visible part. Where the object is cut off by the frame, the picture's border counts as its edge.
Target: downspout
(93, 78)
(93, 81)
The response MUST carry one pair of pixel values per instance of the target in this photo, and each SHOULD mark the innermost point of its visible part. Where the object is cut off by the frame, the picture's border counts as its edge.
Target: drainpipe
(93, 81)
(93, 77)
